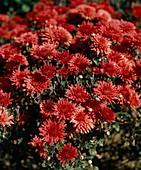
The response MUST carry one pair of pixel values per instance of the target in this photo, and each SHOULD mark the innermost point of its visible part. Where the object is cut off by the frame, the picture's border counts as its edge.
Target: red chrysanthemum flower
(78, 93)
(37, 142)
(5, 119)
(87, 12)
(115, 56)
(28, 38)
(43, 51)
(56, 35)
(82, 122)
(127, 27)
(4, 18)
(40, 6)
(137, 41)
(73, 16)
(10, 26)
(67, 152)
(95, 70)
(51, 16)
(7, 50)
(18, 19)
(64, 109)
(117, 16)
(112, 30)
(86, 28)
(47, 108)
(52, 130)
(129, 96)
(63, 57)
(64, 72)
(108, 114)
(110, 68)
(127, 68)
(128, 40)
(3, 32)
(92, 108)
(68, 27)
(18, 30)
(103, 5)
(60, 9)
(106, 91)
(78, 63)
(104, 15)
(36, 83)
(136, 10)
(59, 19)
(48, 71)
(18, 77)
(74, 3)
(5, 99)
(100, 44)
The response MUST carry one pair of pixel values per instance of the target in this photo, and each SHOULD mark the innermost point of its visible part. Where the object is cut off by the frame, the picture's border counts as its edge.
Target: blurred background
(20, 7)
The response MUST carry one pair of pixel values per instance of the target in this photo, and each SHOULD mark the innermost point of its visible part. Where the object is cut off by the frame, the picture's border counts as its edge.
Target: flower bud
(48, 158)
(27, 44)
(80, 76)
(90, 109)
(92, 34)
(108, 133)
(90, 162)
(81, 157)
(120, 96)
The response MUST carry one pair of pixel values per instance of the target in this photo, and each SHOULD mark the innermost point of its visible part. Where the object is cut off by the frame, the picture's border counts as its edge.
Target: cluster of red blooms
(66, 41)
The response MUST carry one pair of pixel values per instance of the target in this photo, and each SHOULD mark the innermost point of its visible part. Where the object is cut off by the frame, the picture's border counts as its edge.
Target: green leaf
(25, 8)
(18, 1)
(44, 165)
(100, 143)
(93, 151)
(96, 168)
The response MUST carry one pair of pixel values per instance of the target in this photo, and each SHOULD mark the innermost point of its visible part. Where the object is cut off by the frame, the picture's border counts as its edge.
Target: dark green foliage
(16, 7)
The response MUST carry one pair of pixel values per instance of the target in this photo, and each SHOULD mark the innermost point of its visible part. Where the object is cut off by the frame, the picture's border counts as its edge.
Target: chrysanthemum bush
(65, 73)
